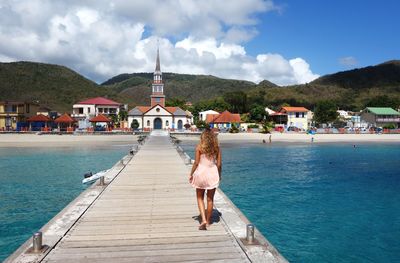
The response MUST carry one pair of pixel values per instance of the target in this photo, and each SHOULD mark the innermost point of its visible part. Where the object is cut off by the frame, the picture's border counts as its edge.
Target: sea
(313, 202)
(37, 183)
(318, 202)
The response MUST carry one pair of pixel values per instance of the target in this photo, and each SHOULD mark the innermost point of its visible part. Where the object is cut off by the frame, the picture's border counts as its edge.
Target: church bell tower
(157, 94)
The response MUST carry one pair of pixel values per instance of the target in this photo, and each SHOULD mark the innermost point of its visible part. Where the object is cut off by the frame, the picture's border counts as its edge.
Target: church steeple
(158, 61)
(157, 72)
(157, 96)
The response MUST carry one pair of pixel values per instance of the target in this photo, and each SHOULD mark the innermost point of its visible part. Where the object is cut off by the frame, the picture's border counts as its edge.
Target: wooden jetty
(148, 213)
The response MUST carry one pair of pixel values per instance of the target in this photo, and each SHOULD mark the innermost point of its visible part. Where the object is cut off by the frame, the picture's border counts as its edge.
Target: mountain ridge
(59, 87)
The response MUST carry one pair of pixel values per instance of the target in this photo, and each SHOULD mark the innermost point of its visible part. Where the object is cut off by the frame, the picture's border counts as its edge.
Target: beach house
(83, 111)
(203, 114)
(13, 114)
(157, 115)
(380, 117)
(294, 117)
(225, 120)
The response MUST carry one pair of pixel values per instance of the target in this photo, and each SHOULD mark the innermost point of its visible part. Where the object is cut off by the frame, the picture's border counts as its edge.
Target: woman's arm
(219, 163)
(196, 162)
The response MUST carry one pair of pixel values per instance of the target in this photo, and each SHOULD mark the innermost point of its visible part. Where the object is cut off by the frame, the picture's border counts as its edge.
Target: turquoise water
(319, 203)
(37, 183)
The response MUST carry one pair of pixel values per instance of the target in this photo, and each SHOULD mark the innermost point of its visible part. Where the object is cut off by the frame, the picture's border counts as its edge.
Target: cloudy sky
(286, 42)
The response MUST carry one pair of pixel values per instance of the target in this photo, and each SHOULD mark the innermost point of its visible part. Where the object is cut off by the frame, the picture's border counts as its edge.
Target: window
(80, 110)
(27, 108)
(14, 108)
(158, 109)
(297, 114)
(302, 114)
(148, 123)
(158, 100)
(166, 123)
(88, 110)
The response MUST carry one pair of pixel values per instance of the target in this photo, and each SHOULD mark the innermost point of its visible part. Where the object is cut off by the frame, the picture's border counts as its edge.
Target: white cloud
(101, 39)
(301, 70)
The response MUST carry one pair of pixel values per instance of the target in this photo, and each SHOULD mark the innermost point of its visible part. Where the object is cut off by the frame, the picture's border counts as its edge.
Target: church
(157, 115)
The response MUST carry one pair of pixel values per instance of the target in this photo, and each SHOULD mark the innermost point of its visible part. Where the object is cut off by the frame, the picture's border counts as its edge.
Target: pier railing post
(250, 233)
(101, 183)
(37, 242)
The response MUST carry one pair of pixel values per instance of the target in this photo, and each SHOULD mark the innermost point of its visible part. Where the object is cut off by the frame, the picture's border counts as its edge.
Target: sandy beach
(33, 140)
(299, 138)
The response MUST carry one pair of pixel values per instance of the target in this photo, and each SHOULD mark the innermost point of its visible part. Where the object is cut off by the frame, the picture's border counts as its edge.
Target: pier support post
(250, 233)
(37, 242)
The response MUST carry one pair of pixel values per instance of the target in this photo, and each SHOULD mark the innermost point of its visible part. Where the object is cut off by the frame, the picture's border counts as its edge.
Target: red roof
(225, 117)
(143, 109)
(171, 109)
(211, 117)
(65, 119)
(39, 118)
(293, 109)
(100, 101)
(100, 118)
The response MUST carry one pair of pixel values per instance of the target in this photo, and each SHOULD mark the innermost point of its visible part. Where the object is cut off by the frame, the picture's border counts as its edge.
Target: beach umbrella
(64, 119)
(101, 118)
(39, 118)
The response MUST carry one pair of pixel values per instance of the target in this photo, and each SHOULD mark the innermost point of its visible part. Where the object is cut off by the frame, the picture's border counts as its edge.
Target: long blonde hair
(209, 144)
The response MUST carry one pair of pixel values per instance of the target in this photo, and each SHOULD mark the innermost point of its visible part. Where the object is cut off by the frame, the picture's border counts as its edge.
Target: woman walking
(206, 174)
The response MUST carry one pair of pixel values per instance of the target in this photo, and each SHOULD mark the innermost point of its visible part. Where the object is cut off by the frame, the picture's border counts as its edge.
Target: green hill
(351, 90)
(59, 87)
(192, 88)
(54, 86)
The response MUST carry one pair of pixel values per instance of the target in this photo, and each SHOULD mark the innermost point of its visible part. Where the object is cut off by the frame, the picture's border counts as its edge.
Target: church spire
(158, 60)
(157, 73)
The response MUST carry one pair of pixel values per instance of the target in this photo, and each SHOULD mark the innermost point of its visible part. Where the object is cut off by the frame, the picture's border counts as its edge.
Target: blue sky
(286, 42)
(322, 32)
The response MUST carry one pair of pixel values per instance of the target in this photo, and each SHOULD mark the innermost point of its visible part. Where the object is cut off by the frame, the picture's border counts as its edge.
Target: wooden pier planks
(147, 214)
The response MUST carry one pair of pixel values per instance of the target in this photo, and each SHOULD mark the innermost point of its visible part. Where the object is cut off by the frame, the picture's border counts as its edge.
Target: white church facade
(157, 115)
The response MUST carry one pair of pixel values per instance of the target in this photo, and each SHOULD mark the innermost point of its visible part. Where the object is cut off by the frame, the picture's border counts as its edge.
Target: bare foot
(203, 226)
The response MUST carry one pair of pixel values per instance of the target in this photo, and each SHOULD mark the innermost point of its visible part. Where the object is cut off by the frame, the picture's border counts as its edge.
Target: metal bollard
(250, 233)
(37, 242)
(101, 181)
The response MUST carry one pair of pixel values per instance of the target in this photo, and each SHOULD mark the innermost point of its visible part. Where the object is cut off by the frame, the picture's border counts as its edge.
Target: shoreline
(43, 141)
(297, 138)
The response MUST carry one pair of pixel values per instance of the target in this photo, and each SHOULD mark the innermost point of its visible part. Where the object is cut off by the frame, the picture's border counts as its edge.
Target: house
(297, 117)
(203, 114)
(157, 115)
(344, 115)
(269, 111)
(223, 120)
(85, 110)
(380, 117)
(13, 114)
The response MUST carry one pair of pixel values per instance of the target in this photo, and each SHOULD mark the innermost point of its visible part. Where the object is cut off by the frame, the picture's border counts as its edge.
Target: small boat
(89, 177)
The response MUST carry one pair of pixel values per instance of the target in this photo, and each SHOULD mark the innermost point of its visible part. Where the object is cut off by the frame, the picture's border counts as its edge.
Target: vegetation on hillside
(59, 88)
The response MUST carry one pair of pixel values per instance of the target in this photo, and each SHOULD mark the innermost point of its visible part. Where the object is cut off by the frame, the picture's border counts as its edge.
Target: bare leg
(210, 204)
(200, 204)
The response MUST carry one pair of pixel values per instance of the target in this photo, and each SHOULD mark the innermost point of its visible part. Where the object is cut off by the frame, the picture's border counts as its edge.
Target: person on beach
(206, 174)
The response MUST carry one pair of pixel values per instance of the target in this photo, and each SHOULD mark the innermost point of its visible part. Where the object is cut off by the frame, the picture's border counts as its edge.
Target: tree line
(252, 106)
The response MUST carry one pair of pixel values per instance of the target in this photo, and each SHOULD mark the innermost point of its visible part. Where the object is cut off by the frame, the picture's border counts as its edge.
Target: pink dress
(206, 174)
